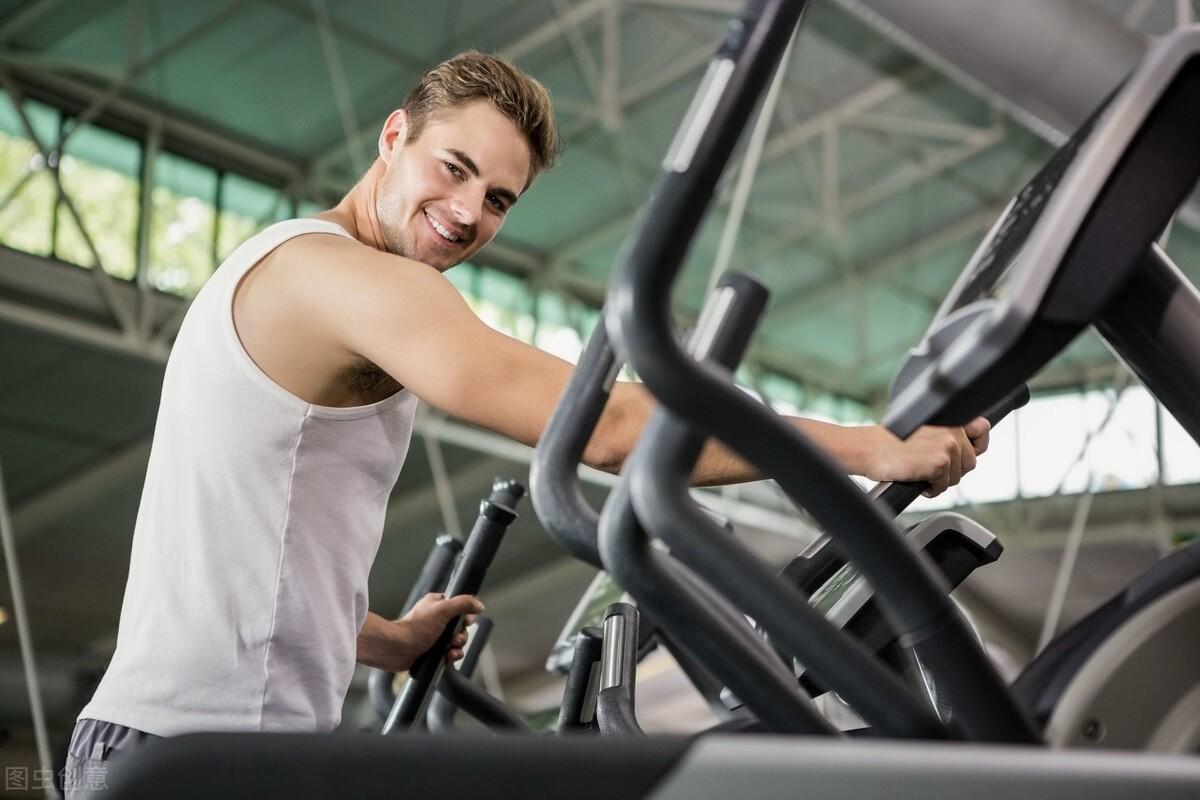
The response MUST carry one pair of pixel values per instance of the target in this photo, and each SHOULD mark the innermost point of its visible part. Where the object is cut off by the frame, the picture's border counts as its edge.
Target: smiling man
(286, 413)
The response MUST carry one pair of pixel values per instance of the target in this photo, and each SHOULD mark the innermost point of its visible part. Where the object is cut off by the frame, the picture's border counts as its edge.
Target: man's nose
(467, 204)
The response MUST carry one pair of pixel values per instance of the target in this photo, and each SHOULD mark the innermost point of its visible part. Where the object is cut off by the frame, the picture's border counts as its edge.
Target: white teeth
(443, 230)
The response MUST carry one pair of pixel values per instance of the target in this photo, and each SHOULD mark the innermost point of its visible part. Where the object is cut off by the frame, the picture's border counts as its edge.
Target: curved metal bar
(474, 700)
(730, 649)
(442, 710)
(637, 314)
(557, 494)
(661, 500)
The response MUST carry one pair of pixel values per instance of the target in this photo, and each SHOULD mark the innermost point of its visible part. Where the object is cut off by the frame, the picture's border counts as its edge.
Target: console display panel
(994, 263)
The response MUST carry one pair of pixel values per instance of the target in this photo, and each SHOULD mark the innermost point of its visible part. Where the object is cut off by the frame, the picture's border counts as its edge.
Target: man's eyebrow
(509, 197)
(465, 159)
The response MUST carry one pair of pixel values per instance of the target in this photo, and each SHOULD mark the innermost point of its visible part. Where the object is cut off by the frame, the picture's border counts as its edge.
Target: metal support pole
(441, 481)
(341, 87)
(17, 187)
(1183, 13)
(28, 662)
(1158, 500)
(1159, 456)
(489, 673)
(24, 16)
(133, 32)
(610, 87)
(150, 150)
(831, 202)
(749, 168)
(579, 50)
(218, 207)
(1058, 596)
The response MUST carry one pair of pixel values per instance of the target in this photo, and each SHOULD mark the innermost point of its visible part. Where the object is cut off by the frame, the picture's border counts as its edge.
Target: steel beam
(116, 87)
(778, 145)
(1048, 63)
(25, 15)
(889, 186)
(723, 8)
(442, 485)
(38, 514)
(747, 170)
(341, 86)
(610, 85)
(551, 29)
(247, 158)
(579, 52)
(906, 126)
(423, 501)
(817, 292)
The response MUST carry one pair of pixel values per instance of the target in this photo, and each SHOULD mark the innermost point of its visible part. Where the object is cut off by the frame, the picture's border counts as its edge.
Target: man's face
(445, 194)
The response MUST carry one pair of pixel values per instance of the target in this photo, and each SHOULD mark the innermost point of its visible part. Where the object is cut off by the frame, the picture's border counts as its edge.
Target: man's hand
(429, 617)
(939, 456)
(395, 645)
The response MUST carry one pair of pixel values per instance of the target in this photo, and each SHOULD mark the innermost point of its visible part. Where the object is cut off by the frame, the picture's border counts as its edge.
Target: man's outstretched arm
(409, 320)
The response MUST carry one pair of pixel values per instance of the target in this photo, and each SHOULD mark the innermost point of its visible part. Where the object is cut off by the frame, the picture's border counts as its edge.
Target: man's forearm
(849, 446)
(376, 644)
(631, 406)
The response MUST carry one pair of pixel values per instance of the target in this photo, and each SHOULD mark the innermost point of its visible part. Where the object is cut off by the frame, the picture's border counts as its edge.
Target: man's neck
(356, 211)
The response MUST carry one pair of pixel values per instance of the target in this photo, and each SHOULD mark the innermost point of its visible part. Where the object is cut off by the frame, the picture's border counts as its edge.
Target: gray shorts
(96, 750)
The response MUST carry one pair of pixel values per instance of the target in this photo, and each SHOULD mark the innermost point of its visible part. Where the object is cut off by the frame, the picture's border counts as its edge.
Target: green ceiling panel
(33, 462)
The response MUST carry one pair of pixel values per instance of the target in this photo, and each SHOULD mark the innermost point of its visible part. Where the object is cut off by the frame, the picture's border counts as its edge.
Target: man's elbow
(603, 454)
(619, 428)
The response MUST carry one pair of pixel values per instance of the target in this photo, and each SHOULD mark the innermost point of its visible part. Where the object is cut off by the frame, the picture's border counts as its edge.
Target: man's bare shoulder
(321, 263)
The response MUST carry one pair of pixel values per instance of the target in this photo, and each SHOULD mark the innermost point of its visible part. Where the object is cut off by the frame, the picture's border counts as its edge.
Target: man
(286, 412)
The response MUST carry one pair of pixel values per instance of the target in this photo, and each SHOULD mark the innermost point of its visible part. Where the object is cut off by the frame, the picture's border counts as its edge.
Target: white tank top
(259, 520)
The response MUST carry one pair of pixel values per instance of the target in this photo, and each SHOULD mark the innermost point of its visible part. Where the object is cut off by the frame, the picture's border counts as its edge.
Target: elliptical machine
(1086, 224)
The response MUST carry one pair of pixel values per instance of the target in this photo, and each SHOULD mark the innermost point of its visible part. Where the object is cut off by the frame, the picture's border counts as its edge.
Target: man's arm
(410, 320)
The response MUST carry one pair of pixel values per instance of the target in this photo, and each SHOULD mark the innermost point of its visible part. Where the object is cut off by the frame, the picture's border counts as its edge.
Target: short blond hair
(472, 76)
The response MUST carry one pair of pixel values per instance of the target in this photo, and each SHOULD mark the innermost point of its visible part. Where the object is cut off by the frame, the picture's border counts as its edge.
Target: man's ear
(395, 131)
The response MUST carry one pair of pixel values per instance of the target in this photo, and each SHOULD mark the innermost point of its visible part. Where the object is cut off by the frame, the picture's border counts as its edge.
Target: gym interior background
(141, 140)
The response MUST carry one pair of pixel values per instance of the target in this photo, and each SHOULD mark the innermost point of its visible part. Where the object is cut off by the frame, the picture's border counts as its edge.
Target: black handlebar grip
(432, 578)
(507, 493)
(467, 578)
(817, 564)
(899, 495)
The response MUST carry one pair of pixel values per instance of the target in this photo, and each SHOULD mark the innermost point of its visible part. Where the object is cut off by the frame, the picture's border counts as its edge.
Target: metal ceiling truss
(857, 111)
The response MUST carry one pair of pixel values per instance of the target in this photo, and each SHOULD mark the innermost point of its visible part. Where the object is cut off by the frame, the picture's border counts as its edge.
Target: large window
(1088, 440)
(99, 172)
(182, 219)
(246, 208)
(1181, 456)
(26, 187)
